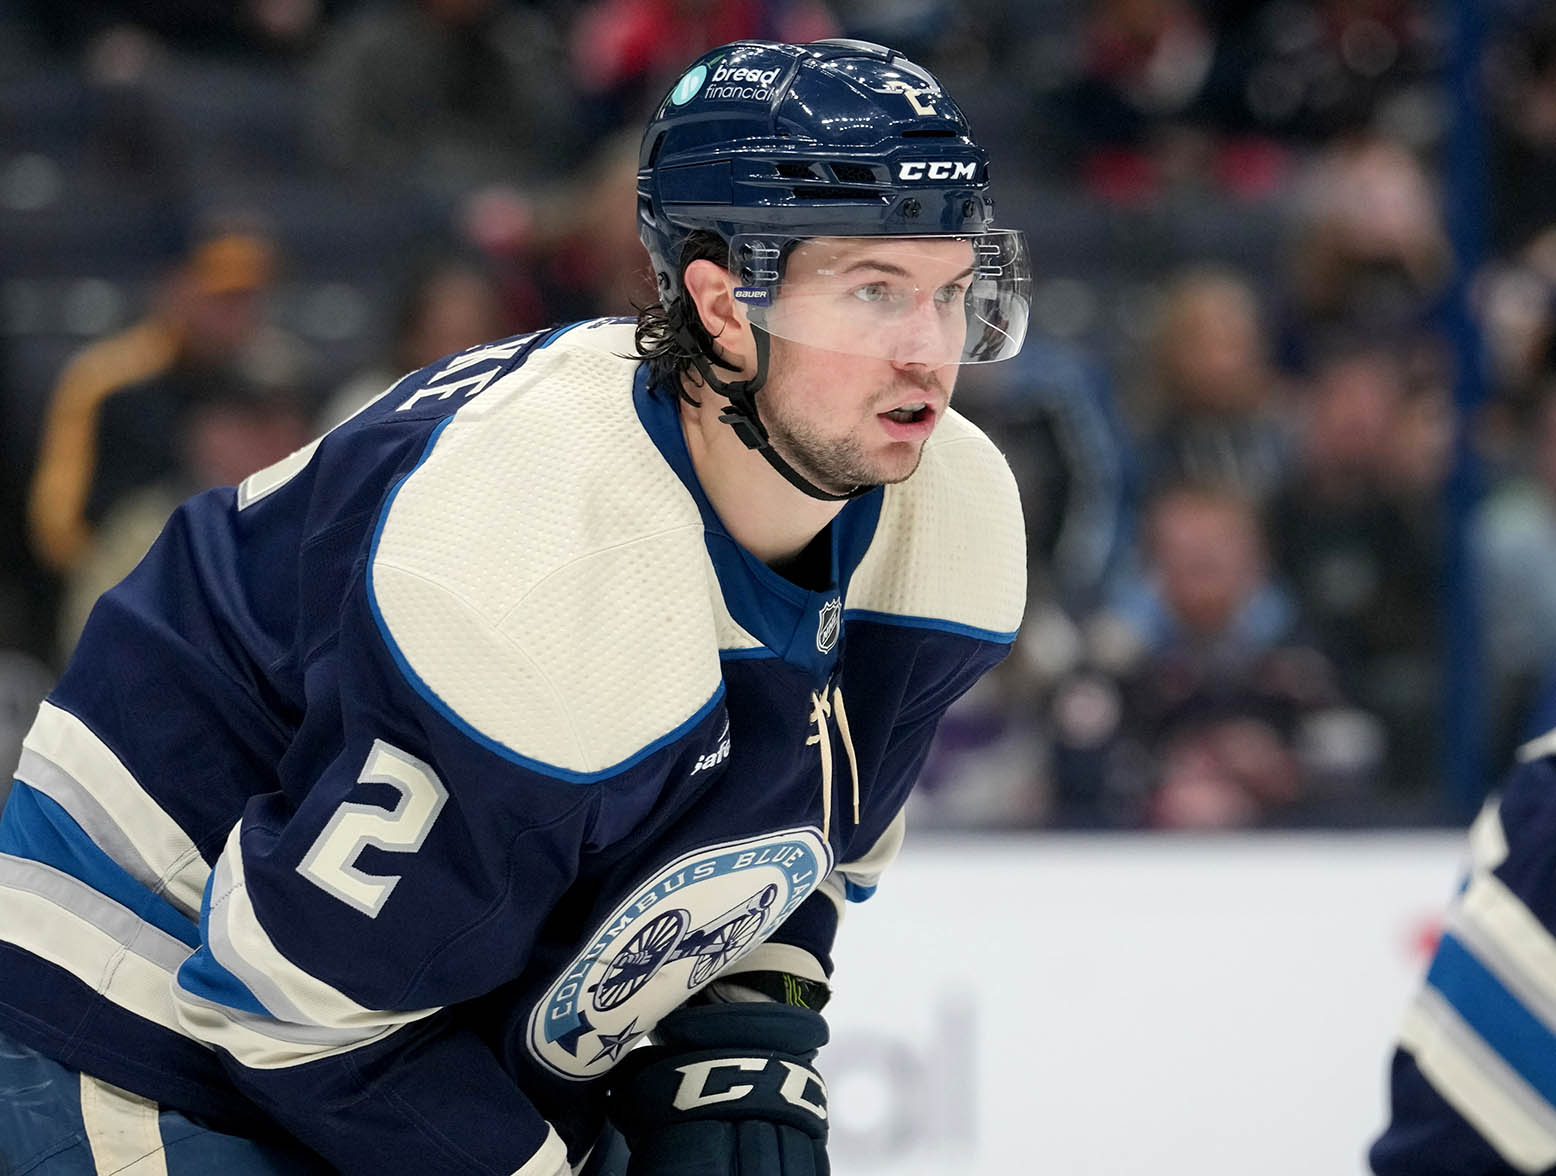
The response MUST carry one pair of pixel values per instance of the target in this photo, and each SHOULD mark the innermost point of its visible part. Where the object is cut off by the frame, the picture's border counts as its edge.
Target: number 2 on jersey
(329, 864)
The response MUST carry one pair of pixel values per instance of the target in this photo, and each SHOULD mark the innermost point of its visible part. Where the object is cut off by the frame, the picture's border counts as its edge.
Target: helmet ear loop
(695, 343)
(740, 413)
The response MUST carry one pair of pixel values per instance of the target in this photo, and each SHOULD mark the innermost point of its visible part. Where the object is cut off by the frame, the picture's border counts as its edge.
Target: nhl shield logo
(828, 624)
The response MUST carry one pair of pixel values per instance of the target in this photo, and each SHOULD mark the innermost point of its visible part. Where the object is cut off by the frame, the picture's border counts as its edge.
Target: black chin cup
(740, 413)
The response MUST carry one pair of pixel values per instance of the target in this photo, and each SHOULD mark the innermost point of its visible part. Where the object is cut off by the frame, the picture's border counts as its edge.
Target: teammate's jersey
(405, 786)
(1473, 1082)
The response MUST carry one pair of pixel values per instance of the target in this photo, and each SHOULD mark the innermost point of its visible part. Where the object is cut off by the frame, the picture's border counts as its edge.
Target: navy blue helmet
(853, 203)
(769, 144)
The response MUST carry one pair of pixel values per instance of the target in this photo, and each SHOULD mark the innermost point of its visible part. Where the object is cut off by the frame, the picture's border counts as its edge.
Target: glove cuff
(760, 1026)
(727, 1063)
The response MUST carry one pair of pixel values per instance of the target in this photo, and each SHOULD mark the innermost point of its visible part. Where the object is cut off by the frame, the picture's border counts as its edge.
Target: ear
(712, 291)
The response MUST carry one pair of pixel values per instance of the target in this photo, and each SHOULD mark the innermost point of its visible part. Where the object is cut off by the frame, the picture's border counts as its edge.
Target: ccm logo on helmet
(939, 169)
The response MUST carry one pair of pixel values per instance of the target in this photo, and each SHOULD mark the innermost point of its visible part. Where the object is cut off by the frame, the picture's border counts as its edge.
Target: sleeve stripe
(1479, 1084)
(202, 978)
(836, 891)
(1495, 1015)
(285, 989)
(35, 828)
(550, 1159)
(66, 761)
(70, 896)
(228, 915)
(1488, 843)
(50, 780)
(294, 1013)
(64, 922)
(259, 1043)
(312, 1037)
(1537, 748)
(863, 873)
(1506, 939)
(263, 483)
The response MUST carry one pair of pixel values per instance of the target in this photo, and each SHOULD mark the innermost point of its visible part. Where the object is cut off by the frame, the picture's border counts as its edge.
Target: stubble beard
(837, 465)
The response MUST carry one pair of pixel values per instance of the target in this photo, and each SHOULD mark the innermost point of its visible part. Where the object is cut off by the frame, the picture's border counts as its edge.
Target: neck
(762, 512)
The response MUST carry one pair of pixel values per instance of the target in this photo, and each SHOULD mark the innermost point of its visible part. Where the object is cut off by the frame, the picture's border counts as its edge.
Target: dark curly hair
(658, 338)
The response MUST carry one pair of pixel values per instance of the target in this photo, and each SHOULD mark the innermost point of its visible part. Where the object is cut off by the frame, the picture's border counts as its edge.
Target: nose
(924, 337)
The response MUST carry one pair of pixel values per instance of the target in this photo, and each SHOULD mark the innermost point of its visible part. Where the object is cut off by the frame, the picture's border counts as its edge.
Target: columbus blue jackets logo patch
(670, 937)
(828, 624)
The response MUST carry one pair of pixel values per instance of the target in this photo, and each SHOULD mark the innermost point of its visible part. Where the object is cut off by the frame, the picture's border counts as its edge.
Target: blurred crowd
(1237, 424)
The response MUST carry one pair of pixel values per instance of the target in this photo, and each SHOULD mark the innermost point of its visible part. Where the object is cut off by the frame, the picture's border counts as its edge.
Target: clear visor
(930, 300)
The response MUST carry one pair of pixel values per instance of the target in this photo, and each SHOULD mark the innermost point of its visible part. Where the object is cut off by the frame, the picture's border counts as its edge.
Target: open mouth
(908, 413)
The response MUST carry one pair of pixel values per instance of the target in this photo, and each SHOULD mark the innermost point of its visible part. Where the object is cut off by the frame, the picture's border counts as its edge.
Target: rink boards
(1129, 1006)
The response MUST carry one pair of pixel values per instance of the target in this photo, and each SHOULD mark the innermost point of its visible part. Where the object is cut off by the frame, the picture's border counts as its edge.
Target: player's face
(883, 325)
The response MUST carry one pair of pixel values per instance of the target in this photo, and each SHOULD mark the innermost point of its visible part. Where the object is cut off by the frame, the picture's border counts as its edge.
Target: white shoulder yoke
(950, 548)
(542, 577)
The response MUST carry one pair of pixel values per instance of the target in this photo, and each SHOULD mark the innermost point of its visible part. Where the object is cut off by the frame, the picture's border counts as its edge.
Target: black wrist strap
(740, 413)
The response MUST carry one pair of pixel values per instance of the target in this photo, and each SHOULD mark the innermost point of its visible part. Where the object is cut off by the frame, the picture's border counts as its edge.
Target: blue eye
(947, 295)
(874, 292)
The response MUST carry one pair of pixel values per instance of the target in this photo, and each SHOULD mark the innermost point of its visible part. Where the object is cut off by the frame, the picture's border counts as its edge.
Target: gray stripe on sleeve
(288, 1031)
(72, 796)
(261, 984)
(124, 925)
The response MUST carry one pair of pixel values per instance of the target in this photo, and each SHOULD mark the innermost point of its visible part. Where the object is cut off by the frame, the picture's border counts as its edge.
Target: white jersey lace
(824, 704)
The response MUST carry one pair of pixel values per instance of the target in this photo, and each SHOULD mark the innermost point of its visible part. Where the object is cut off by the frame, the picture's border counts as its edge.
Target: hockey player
(555, 701)
(1473, 1083)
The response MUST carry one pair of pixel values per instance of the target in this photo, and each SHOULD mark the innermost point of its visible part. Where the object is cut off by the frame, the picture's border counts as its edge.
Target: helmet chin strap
(740, 413)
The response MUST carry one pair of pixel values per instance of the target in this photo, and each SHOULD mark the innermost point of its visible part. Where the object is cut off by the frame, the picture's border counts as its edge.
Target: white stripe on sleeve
(1488, 842)
(1477, 1083)
(83, 765)
(312, 1019)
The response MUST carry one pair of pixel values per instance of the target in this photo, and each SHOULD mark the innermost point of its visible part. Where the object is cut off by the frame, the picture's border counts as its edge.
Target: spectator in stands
(594, 262)
(28, 596)
(27, 603)
(1520, 71)
(1517, 311)
(1204, 690)
(113, 423)
(988, 766)
(571, 252)
(24, 681)
(1054, 412)
(1370, 255)
(1152, 89)
(220, 439)
(627, 53)
(1167, 94)
(1513, 538)
(1219, 408)
(451, 95)
(447, 304)
(1355, 533)
(236, 29)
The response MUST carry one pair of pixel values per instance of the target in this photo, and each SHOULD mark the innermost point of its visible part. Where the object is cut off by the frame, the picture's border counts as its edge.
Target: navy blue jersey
(405, 786)
(1473, 1082)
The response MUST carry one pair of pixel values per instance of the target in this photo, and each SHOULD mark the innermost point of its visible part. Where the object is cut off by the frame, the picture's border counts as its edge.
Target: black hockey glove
(728, 1091)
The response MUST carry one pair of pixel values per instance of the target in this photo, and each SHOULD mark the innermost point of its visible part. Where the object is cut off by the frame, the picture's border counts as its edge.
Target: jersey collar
(803, 628)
